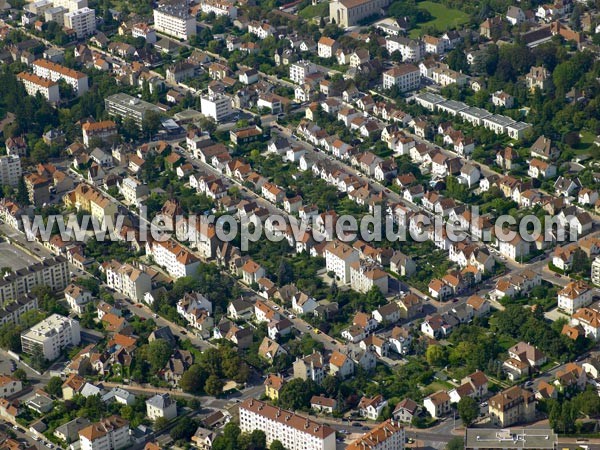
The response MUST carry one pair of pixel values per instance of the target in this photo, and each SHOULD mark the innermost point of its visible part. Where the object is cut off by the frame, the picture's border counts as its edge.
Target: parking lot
(14, 258)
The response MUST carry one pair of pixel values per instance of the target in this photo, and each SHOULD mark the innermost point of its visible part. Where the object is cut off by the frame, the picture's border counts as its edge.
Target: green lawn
(444, 18)
(315, 11)
(587, 142)
(437, 385)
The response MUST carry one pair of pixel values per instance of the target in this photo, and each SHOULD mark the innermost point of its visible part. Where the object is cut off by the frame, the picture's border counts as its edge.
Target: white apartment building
(111, 433)
(104, 130)
(34, 84)
(406, 76)
(54, 72)
(51, 335)
(128, 280)
(596, 271)
(216, 106)
(10, 170)
(293, 431)
(219, 7)
(175, 21)
(9, 386)
(133, 190)
(56, 14)
(161, 405)
(52, 272)
(177, 261)
(82, 21)
(338, 259)
(299, 70)
(410, 49)
(388, 435)
(575, 295)
(12, 313)
(71, 5)
(363, 277)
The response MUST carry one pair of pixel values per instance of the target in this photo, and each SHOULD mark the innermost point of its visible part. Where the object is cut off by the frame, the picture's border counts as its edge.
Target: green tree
(296, 394)
(258, 440)
(158, 353)
(435, 355)
(276, 445)
(150, 123)
(161, 423)
(456, 443)
(130, 129)
(54, 387)
(20, 374)
(468, 410)
(193, 379)
(214, 385)
(184, 429)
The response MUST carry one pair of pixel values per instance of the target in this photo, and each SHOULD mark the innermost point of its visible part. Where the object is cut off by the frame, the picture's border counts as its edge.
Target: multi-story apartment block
(86, 198)
(133, 190)
(34, 84)
(175, 21)
(311, 367)
(38, 188)
(293, 431)
(56, 14)
(347, 13)
(364, 276)
(338, 259)
(299, 70)
(575, 295)
(111, 433)
(82, 21)
(511, 406)
(10, 170)
(71, 5)
(9, 386)
(125, 106)
(161, 405)
(54, 72)
(12, 312)
(52, 272)
(406, 76)
(127, 279)
(216, 106)
(143, 30)
(178, 261)
(220, 8)
(596, 271)
(105, 130)
(410, 49)
(388, 435)
(51, 336)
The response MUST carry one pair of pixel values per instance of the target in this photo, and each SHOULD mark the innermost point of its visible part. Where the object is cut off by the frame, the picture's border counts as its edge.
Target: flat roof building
(51, 336)
(510, 438)
(126, 106)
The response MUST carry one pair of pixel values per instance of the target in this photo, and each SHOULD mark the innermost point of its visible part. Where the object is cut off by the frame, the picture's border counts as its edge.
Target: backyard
(444, 18)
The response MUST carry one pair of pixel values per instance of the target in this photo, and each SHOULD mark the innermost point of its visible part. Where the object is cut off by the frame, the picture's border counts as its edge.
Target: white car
(35, 438)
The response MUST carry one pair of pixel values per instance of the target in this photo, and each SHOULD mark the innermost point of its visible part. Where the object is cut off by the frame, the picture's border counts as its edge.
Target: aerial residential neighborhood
(306, 225)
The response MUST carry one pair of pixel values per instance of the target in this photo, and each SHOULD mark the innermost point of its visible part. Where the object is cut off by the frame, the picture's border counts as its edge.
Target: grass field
(315, 11)
(444, 18)
(586, 145)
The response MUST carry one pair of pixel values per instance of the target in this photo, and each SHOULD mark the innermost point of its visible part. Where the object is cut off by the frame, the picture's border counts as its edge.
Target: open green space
(315, 11)
(444, 18)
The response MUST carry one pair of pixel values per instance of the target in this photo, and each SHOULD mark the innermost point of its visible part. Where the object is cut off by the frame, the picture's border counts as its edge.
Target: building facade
(34, 84)
(10, 170)
(175, 21)
(51, 335)
(293, 431)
